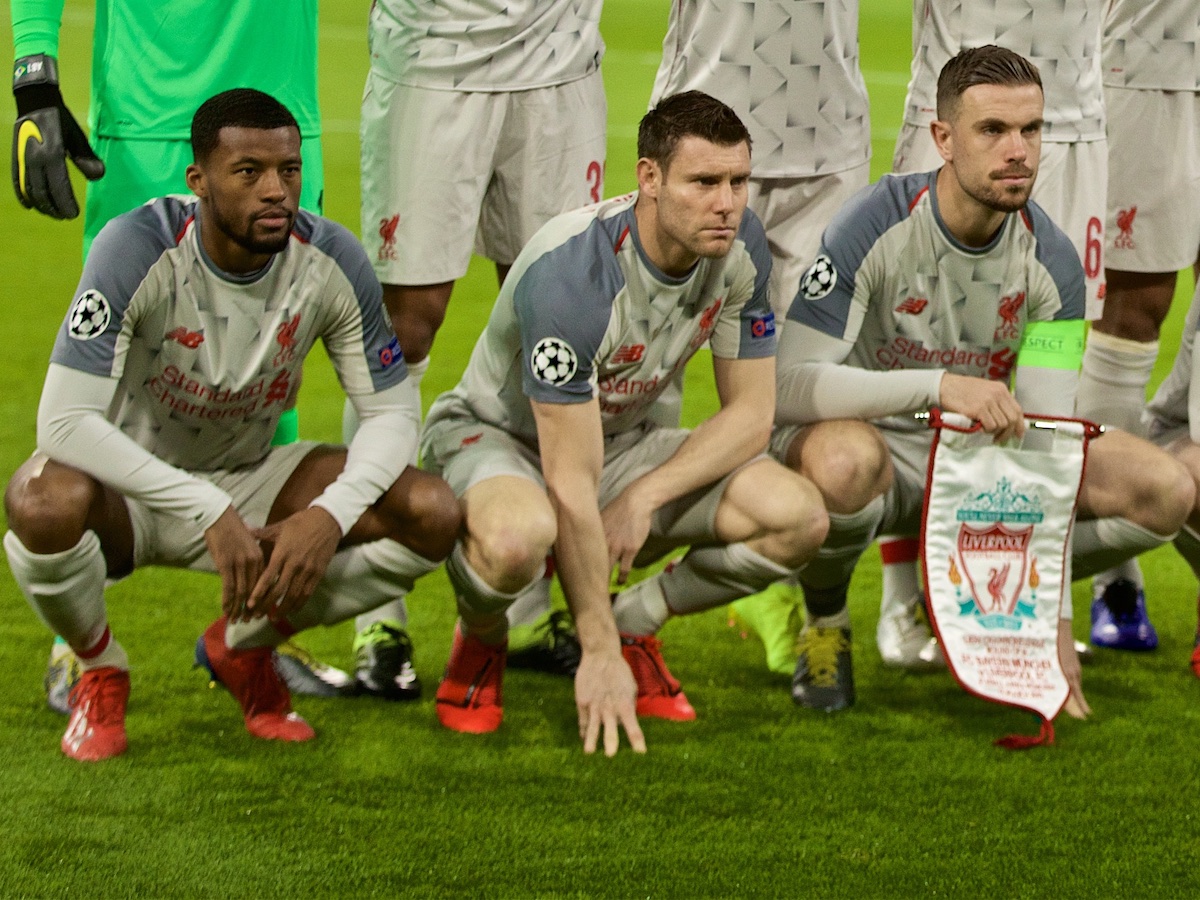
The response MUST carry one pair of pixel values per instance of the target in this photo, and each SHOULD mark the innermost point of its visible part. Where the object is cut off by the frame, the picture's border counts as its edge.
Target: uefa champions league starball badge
(553, 361)
(89, 316)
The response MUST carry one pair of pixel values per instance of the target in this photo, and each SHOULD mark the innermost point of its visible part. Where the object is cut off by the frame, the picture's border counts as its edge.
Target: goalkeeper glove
(44, 135)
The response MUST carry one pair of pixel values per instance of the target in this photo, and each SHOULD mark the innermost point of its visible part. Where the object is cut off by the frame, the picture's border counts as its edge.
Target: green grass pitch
(901, 796)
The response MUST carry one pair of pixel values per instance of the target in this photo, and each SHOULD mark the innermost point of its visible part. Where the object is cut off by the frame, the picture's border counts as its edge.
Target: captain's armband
(1052, 345)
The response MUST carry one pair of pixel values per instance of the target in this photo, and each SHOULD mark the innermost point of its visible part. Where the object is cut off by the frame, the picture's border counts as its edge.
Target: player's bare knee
(431, 514)
(851, 469)
(509, 557)
(47, 508)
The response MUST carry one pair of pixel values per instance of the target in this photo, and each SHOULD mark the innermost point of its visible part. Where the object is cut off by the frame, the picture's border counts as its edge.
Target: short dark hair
(238, 108)
(981, 65)
(690, 114)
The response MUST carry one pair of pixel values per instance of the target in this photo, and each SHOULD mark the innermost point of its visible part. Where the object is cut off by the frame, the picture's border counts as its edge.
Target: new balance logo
(630, 353)
(913, 306)
(189, 339)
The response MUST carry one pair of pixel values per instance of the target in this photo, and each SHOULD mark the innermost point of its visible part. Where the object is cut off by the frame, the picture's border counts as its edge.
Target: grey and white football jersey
(485, 45)
(1152, 45)
(789, 69)
(892, 282)
(1060, 37)
(584, 313)
(206, 361)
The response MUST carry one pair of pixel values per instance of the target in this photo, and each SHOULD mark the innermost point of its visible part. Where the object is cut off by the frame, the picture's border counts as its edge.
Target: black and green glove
(44, 135)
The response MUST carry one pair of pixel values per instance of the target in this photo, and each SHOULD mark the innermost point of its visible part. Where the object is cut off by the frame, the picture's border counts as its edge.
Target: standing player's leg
(1153, 231)
(425, 166)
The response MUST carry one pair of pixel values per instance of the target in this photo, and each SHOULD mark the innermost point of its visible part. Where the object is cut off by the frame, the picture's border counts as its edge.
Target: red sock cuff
(899, 550)
(96, 649)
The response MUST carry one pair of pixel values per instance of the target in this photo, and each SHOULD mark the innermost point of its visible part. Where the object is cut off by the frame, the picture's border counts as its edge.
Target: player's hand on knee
(606, 699)
(299, 550)
(626, 527)
(1077, 705)
(987, 402)
(238, 559)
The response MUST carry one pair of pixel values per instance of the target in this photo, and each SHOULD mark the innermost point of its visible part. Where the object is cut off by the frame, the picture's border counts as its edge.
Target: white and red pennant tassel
(995, 539)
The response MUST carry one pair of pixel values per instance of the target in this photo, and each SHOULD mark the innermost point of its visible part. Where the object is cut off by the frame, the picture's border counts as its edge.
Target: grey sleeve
(1056, 252)
(120, 257)
(563, 304)
(757, 320)
(380, 346)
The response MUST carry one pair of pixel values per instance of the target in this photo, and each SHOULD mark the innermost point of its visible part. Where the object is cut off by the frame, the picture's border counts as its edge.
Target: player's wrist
(35, 83)
(35, 75)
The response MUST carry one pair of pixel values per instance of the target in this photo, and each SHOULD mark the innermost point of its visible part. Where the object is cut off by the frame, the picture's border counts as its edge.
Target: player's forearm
(36, 25)
(72, 430)
(1046, 392)
(581, 559)
(816, 391)
(381, 448)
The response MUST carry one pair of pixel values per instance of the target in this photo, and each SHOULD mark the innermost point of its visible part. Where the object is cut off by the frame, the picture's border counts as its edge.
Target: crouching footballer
(184, 344)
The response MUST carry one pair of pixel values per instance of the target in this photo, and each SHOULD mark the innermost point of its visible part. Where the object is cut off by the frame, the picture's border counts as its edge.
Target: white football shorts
(1153, 180)
(444, 172)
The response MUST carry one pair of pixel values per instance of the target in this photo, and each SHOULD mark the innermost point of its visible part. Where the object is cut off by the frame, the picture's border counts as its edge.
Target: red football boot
(659, 694)
(469, 697)
(251, 677)
(96, 729)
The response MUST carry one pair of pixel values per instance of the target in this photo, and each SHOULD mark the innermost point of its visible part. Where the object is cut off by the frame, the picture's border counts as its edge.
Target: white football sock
(531, 604)
(65, 589)
(849, 535)
(1099, 544)
(706, 577)
(480, 605)
(1112, 385)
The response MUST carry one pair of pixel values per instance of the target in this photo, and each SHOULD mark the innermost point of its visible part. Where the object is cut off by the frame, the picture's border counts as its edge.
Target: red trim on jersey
(297, 236)
(1025, 218)
(183, 230)
(621, 240)
(917, 199)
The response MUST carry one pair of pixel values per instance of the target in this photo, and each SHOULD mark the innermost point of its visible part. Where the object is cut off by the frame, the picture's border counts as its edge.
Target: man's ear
(943, 140)
(649, 177)
(195, 180)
